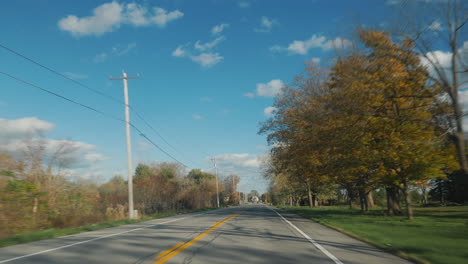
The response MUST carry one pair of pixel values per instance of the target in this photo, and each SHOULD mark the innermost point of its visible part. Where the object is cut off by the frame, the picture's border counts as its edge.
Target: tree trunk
(314, 200)
(407, 192)
(311, 201)
(424, 194)
(459, 135)
(393, 204)
(441, 192)
(370, 200)
(290, 201)
(362, 201)
(459, 138)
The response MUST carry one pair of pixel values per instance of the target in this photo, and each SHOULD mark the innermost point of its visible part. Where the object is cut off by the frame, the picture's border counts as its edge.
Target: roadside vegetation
(39, 200)
(437, 235)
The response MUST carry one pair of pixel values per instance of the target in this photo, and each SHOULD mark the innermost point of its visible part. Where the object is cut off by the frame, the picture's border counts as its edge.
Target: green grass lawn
(51, 233)
(436, 235)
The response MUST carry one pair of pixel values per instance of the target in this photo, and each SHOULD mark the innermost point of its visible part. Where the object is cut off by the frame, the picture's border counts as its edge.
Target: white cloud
(435, 26)
(208, 45)
(162, 17)
(250, 95)
(22, 128)
(201, 52)
(302, 47)
(110, 16)
(28, 134)
(95, 157)
(136, 15)
(75, 76)
(244, 4)
(106, 17)
(207, 59)
(266, 24)
(315, 60)
(269, 111)
(197, 117)
(260, 147)
(239, 160)
(120, 50)
(219, 28)
(248, 166)
(117, 50)
(101, 57)
(179, 52)
(270, 89)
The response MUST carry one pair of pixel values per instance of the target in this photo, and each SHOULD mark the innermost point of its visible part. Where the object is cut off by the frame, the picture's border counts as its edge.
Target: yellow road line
(165, 252)
(168, 254)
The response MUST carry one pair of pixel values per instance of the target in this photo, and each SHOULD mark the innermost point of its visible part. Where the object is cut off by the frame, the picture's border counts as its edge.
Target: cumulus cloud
(269, 89)
(302, 47)
(435, 26)
(266, 24)
(162, 17)
(110, 16)
(179, 52)
(207, 59)
(247, 166)
(238, 160)
(269, 111)
(208, 45)
(22, 128)
(442, 60)
(28, 134)
(315, 60)
(201, 53)
(219, 28)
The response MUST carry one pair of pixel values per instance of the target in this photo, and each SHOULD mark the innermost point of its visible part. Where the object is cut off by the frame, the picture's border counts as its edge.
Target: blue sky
(209, 70)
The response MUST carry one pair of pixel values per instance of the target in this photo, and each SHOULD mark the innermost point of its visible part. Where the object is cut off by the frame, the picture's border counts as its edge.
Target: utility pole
(216, 177)
(131, 211)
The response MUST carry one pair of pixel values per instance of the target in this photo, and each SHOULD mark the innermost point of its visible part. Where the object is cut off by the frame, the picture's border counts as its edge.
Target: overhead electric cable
(94, 110)
(95, 91)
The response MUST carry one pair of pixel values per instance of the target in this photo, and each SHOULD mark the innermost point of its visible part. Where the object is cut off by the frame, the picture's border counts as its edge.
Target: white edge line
(317, 245)
(90, 240)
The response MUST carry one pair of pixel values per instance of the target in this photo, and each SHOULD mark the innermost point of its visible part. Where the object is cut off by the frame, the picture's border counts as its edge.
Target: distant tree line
(36, 193)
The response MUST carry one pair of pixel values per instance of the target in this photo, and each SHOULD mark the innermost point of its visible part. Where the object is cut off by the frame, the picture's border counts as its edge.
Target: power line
(94, 110)
(156, 132)
(92, 90)
(62, 75)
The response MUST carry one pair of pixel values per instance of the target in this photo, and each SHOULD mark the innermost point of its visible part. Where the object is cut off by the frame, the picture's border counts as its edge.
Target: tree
(437, 28)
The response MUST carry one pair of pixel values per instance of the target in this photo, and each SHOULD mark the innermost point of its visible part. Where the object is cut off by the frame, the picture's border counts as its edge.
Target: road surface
(244, 234)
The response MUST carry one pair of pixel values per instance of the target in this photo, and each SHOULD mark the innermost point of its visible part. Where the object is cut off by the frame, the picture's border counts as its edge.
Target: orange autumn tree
(386, 88)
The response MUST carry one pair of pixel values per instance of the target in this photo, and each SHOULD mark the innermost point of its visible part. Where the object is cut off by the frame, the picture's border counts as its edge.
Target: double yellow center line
(168, 254)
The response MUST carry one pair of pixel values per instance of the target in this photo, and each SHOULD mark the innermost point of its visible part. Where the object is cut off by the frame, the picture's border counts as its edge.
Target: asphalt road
(245, 234)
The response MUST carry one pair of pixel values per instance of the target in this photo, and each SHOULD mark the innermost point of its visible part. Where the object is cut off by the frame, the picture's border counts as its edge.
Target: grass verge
(436, 235)
(52, 233)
